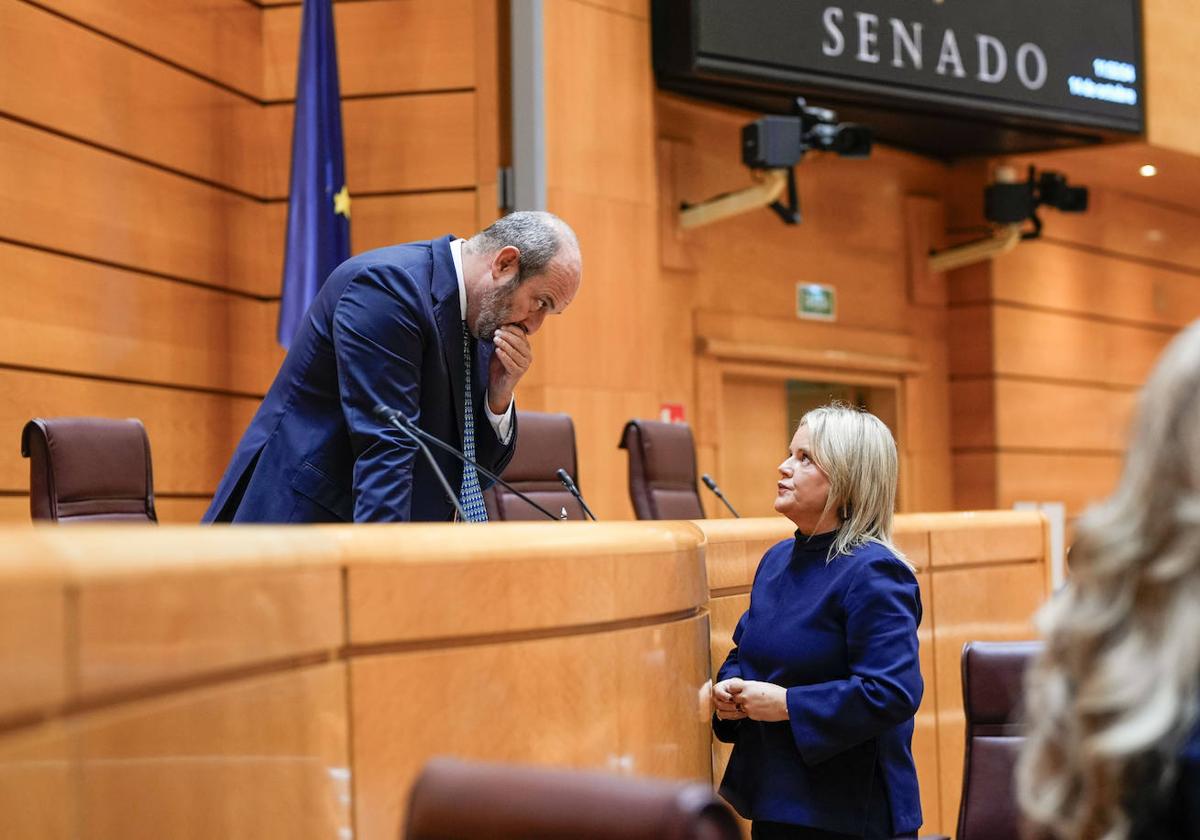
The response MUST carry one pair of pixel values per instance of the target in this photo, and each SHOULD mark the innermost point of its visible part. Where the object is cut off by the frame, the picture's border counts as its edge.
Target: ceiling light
(1148, 171)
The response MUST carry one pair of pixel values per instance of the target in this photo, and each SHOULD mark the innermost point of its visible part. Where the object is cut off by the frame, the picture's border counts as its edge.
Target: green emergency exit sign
(816, 300)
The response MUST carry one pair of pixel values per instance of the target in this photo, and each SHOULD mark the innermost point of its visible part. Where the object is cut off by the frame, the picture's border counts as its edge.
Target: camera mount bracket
(1003, 240)
(763, 194)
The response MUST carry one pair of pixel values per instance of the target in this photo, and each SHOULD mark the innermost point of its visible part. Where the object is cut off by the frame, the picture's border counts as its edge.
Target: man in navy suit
(436, 330)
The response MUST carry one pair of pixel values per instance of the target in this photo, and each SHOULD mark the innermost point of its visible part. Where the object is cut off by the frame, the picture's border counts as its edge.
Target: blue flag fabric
(318, 230)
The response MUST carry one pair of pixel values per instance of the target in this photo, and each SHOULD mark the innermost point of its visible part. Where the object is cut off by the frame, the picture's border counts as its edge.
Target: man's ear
(506, 264)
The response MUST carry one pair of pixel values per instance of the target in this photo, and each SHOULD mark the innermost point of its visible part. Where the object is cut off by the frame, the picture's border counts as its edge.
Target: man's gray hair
(538, 235)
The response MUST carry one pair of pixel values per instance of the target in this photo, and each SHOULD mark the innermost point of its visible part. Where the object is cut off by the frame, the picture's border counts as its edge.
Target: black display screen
(1067, 64)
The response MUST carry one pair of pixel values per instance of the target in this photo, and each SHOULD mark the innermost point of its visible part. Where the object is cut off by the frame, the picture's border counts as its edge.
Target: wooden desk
(289, 682)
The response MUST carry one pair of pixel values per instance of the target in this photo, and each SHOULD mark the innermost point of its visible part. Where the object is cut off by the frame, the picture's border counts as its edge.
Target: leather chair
(459, 800)
(993, 675)
(88, 469)
(662, 470)
(545, 444)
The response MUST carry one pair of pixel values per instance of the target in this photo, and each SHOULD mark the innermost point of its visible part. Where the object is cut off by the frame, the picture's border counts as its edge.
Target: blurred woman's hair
(1115, 693)
(857, 453)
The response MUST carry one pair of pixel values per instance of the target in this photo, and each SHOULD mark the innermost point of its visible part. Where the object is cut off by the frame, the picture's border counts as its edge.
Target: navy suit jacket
(841, 637)
(385, 328)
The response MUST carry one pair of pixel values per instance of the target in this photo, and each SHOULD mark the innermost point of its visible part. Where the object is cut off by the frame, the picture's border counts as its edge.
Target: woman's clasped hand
(735, 699)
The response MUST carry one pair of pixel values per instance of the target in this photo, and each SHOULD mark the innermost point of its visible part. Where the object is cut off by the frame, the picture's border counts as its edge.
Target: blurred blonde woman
(819, 692)
(1113, 751)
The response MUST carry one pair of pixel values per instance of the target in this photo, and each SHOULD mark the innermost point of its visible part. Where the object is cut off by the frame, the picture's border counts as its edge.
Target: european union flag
(318, 231)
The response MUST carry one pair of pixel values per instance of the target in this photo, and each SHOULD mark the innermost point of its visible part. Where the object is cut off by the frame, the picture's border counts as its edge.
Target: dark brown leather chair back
(662, 470)
(545, 444)
(459, 800)
(993, 675)
(88, 469)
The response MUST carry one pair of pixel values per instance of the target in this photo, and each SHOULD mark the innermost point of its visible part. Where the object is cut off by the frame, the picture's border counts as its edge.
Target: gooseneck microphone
(712, 485)
(388, 416)
(404, 424)
(569, 483)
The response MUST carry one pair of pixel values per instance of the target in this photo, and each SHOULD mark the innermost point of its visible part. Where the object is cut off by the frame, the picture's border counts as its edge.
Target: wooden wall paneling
(1060, 416)
(218, 39)
(261, 757)
(1116, 167)
(14, 509)
(192, 434)
(1130, 226)
(672, 245)
(392, 144)
(972, 341)
(754, 440)
(179, 510)
(1169, 31)
(974, 480)
(72, 315)
(634, 8)
(388, 46)
(925, 225)
(1077, 480)
(618, 319)
(572, 682)
(592, 149)
(388, 219)
(491, 72)
(987, 603)
(34, 637)
(37, 795)
(1050, 345)
(971, 284)
(65, 196)
(101, 91)
(973, 425)
(791, 332)
(1054, 276)
(853, 227)
(925, 417)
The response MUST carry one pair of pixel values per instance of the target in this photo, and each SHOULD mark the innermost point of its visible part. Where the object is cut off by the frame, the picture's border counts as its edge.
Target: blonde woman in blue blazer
(819, 692)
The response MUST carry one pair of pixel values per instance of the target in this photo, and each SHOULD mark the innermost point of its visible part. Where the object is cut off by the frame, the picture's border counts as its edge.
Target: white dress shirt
(501, 423)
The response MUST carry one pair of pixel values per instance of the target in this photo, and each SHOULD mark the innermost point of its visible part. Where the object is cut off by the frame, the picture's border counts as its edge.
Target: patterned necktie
(471, 494)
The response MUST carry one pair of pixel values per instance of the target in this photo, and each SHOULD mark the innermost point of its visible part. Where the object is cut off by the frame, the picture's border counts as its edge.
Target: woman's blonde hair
(856, 452)
(1115, 692)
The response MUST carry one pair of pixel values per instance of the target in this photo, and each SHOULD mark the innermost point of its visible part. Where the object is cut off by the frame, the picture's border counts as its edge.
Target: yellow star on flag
(341, 203)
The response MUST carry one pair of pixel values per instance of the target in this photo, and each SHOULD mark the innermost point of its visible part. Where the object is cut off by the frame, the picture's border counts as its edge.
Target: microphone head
(565, 478)
(383, 412)
(708, 482)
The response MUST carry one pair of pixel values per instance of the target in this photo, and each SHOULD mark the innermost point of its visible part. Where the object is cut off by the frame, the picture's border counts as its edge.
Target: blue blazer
(385, 328)
(841, 637)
